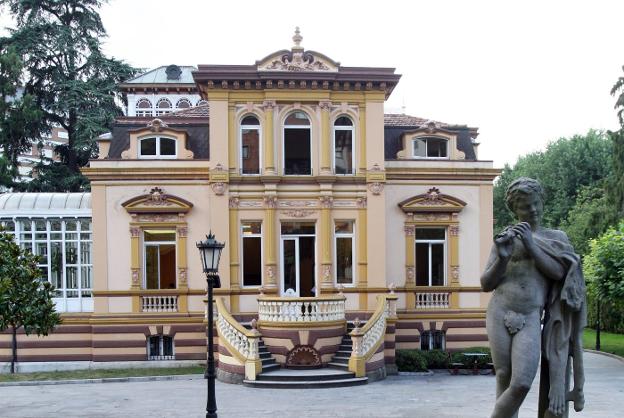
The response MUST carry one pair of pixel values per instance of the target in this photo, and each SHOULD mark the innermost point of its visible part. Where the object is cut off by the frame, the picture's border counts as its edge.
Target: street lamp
(210, 253)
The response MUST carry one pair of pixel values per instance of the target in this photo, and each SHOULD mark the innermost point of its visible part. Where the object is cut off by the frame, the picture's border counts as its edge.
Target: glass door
(290, 266)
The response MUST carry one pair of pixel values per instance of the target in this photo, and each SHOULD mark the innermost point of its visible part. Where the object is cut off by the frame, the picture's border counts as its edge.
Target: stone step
(306, 378)
(270, 367)
(340, 359)
(269, 360)
(339, 366)
(270, 384)
(264, 354)
(344, 353)
(345, 347)
(308, 375)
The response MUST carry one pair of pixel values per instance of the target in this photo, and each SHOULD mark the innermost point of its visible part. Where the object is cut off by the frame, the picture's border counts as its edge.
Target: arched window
(144, 108)
(343, 146)
(297, 147)
(163, 106)
(202, 102)
(250, 145)
(183, 104)
(430, 147)
(157, 147)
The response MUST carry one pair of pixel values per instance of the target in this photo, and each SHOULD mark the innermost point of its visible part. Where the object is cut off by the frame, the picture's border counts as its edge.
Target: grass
(609, 342)
(100, 373)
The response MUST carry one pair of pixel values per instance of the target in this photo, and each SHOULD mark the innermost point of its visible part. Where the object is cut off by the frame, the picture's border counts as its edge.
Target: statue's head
(525, 198)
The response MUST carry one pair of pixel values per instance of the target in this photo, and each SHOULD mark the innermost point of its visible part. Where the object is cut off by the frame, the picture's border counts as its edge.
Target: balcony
(286, 310)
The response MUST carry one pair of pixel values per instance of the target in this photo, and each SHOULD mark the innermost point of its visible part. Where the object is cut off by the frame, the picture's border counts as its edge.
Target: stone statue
(535, 276)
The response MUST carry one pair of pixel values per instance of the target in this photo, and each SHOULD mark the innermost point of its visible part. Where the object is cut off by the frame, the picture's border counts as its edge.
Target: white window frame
(296, 237)
(183, 99)
(430, 242)
(142, 112)
(161, 349)
(240, 144)
(63, 303)
(164, 111)
(353, 256)
(158, 244)
(284, 127)
(157, 156)
(343, 128)
(425, 139)
(242, 247)
(431, 333)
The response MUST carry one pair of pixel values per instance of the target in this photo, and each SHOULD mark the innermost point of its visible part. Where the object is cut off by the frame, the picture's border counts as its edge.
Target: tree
(604, 265)
(590, 216)
(616, 185)
(20, 120)
(25, 299)
(563, 169)
(74, 83)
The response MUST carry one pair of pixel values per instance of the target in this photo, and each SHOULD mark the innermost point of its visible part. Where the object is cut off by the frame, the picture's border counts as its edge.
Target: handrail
(366, 340)
(240, 342)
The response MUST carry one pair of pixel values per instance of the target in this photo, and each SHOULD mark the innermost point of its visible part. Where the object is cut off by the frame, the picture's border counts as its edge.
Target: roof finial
(297, 38)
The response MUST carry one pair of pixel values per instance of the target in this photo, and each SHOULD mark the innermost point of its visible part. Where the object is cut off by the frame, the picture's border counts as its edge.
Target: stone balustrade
(291, 309)
(433, 300)
(159, 303)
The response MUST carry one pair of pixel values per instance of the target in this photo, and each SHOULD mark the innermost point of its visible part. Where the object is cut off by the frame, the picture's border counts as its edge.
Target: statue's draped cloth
(566, 310)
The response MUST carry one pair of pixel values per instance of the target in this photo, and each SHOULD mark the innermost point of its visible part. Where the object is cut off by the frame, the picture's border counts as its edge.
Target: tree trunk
(14, 350)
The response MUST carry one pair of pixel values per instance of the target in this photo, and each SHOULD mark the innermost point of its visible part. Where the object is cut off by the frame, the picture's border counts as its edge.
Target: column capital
(325, 105)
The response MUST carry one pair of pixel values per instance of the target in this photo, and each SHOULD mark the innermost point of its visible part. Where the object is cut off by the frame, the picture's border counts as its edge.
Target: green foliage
(25, 300)
(411, 361)
(482, 362)
(590, 216)
(604, 266)
(74, 83)
(436, 359)
(615, 186)
(618, 90)
(611, 314)
(563, 169)
(20, 119)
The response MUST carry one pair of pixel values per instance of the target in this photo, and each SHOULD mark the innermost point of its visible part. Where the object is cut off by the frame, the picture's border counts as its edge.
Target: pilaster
(325, 138)
(234, 254)
(270, 243)
(269, 140)
(327, 281)
(362, 249)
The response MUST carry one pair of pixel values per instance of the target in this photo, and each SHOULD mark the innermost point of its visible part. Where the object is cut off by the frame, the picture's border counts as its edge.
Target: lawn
(98, 374)
(609, 342)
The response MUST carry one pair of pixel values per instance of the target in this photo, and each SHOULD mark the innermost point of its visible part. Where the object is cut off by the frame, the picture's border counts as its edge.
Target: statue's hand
(523, 230)
(504, 243)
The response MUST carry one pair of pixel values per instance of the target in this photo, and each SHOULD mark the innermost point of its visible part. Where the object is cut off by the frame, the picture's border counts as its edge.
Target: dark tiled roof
(398, 119)
(201, 111)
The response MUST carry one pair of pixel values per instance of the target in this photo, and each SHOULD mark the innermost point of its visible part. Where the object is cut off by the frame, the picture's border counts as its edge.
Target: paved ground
(440, 395)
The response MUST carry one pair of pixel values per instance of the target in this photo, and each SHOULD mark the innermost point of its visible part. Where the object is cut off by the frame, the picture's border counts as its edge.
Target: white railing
(315, 309)
(159, 303)
(366, 340)
(432, 300)
(241, 342)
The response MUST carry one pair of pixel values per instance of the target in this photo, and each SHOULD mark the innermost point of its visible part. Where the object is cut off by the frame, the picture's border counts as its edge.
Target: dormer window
(163, 106)
(183, 104)
(250, 145)
(157, 147)
(297, 148)
(144, 108)
(430, 147)
(343, 146)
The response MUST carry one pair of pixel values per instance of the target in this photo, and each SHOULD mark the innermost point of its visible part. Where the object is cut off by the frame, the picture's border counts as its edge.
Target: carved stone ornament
(431, 126)
(376, 188)
(455, 272)
(135, 277)
(157, 125)
(234, 202)
(410, 273)
(303, 356)
(135, 232)
(182, 277)
(410, 230)
(325, 105)
(218, 188)
(326, 268)
(297, 59)
(157, 197)
(326, 202)
(361, 202)
(268, 105)
(431, 217)
(298, 213)
(158, 217)
(454, 230)
(298, 204)
(182, 232)
(270, 202)
(270, 272)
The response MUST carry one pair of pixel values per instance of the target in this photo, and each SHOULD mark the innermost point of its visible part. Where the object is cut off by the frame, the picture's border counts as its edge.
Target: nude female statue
(531, 269)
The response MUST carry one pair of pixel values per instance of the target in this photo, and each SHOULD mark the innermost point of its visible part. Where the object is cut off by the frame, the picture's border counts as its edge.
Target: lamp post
(210, 252)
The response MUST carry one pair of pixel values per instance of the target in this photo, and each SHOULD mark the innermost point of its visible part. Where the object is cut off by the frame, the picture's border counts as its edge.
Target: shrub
(436, 359)
(482, 362)
(411, 361)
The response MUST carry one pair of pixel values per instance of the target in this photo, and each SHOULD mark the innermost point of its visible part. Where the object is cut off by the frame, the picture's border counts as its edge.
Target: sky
(524, 72)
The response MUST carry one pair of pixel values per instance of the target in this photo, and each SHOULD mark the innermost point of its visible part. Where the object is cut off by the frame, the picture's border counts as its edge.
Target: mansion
(349, 233)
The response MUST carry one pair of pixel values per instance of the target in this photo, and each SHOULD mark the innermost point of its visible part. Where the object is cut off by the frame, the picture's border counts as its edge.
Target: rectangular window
(160, 347)
(159, 259)
(343, 233)
(433, 340)
(252, 253)
(430, 256)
